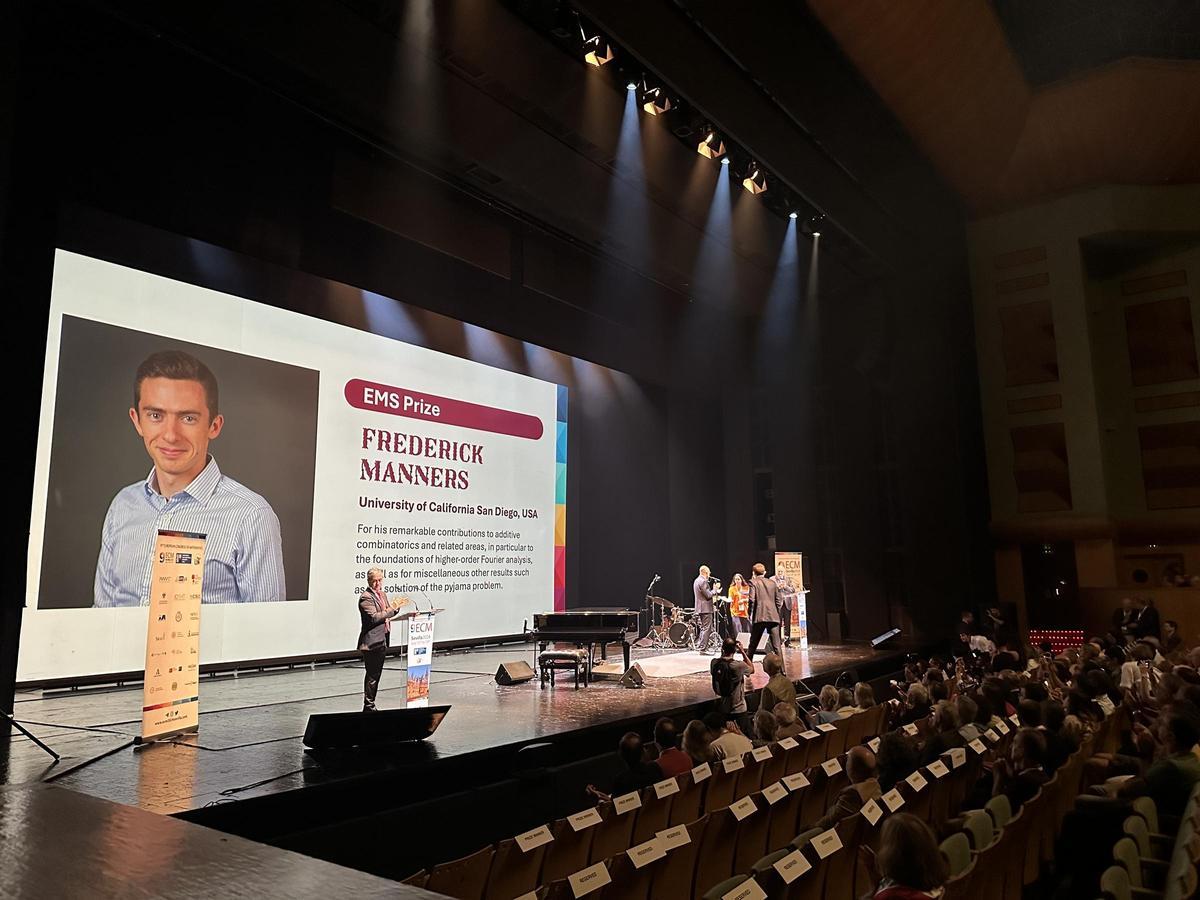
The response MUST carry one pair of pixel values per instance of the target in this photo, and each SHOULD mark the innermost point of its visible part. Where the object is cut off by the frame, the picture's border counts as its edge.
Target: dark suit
(1148, 624)
(849, 801)
(704, 608)
(373, 640)
(765, 600)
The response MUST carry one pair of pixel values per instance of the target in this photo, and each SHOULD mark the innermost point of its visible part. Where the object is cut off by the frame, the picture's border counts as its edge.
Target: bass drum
(679, 634)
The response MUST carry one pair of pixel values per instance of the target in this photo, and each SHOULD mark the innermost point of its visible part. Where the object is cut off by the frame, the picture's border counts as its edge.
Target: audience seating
(752, 836)
(653, 816)
(613, 835)
(999, 852)
(568, 852)
(463, 879)
(689, 802)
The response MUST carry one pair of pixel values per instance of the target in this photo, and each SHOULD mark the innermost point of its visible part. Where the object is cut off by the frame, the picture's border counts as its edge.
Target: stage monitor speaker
(634, 677)
(515, 672)
(384, 726)
(886, 636)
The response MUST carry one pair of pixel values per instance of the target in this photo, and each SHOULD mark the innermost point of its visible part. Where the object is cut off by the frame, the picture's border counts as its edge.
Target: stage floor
(249, 742)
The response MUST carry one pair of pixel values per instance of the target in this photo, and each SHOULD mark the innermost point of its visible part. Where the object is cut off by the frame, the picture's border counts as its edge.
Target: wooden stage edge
(248, 752)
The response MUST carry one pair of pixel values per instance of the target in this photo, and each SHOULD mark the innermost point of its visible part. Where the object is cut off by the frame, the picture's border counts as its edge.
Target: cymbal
(662, 601)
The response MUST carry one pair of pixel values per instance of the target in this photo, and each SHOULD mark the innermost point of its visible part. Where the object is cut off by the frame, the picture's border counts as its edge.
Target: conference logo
(181, 559)
(162, 617)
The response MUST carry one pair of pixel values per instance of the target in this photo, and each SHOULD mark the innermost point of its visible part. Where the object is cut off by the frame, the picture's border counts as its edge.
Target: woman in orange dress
(739, 604)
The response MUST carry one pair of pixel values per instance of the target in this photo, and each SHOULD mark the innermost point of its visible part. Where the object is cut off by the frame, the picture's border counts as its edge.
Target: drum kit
(683, 627)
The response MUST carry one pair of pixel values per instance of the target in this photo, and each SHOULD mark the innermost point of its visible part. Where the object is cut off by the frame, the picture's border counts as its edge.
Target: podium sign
(792, 565)
(171, 687)
(420, 658)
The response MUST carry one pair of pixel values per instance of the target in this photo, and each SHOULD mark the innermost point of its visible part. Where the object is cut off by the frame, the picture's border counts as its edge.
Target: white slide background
(518, 473)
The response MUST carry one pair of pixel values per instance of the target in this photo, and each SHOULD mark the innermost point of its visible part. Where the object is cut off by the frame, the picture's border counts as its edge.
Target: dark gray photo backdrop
(268, 443)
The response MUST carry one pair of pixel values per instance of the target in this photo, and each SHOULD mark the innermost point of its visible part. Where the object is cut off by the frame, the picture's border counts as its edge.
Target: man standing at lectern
(702, 588)
(377, 612)
(765, 602)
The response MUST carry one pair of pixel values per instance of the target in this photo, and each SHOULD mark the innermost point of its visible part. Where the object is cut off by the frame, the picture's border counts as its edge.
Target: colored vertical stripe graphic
(560, 502)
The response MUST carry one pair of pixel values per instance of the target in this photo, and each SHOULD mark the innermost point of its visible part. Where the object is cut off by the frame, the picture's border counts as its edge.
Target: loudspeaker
(384, 726)
(516, 672)
(634, 677)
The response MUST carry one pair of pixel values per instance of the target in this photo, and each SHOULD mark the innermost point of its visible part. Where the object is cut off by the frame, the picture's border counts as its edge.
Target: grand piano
(587, 627)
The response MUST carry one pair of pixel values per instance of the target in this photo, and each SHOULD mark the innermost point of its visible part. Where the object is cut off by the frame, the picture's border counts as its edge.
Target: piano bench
(550, 661)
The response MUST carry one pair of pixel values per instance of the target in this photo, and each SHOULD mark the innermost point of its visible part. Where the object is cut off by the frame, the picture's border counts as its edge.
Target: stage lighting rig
(655, 101)
(812, 225)
(597, 51)
(755, 181)
(712, 147)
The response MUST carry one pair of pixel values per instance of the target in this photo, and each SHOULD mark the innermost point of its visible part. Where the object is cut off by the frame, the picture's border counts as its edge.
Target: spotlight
(813, 225)
(597, 51)
(712, 147)
(724, 160)
(632, 86)
(655, 102)
(792, 215)
(755, 181)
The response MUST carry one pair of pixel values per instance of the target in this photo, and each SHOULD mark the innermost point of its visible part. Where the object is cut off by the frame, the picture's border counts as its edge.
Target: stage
(251, 724)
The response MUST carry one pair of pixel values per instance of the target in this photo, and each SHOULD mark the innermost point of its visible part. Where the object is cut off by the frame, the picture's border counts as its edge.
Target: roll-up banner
(791, 565)
(420, 658)
(171, 689)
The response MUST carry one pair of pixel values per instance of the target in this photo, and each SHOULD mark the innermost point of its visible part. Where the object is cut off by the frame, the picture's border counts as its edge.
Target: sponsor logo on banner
(420, 658)
(792, 565)
(171, 705)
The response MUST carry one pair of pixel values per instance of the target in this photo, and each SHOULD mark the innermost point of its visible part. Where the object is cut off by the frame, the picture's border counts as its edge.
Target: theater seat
(463, 879)
(514, 872)
(957, 850)
(716, 892)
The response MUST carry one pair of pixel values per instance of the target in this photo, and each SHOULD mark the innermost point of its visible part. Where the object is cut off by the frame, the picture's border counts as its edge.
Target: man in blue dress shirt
(175, 413)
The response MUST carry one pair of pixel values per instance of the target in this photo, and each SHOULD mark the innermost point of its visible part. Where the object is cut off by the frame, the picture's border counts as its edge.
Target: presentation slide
(306, 452)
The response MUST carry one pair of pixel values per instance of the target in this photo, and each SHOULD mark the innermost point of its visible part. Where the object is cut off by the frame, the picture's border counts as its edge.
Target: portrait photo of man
(177, 416)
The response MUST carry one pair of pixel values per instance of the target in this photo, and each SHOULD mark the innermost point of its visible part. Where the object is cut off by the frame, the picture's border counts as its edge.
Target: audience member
(845, 701)
(665, 749)
(1170, 778)
(790, 725)
(864, 696)
(697, 743)
(1171, 641)
(1059, 743)
(766, 727)
(828, 698)
(1022, 775)
(945, 732)
(779, 688)
(729, 673)
(898, 757)
(911, 867)
(1147, 625)
(864, 786)
(638, 773)
(916, 704)
(1029, 714)
(727, 737)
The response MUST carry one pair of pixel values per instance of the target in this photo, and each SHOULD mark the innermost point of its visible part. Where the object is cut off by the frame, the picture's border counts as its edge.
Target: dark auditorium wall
(198, 177)
(201, 174)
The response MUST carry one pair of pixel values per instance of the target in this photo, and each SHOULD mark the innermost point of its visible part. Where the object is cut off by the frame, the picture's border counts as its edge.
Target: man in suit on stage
(702, 588)
(376, 612)
(766, 606)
